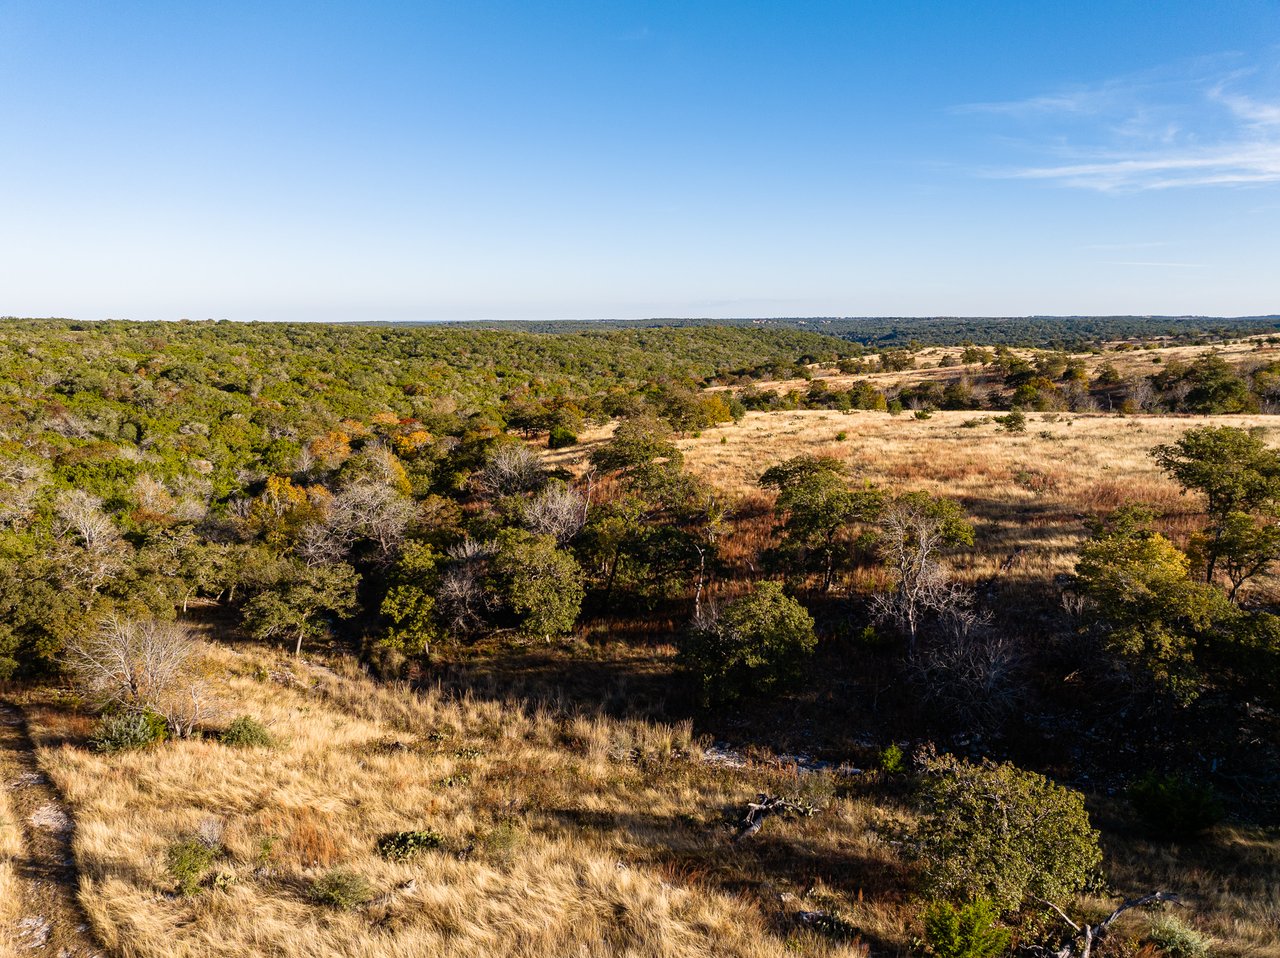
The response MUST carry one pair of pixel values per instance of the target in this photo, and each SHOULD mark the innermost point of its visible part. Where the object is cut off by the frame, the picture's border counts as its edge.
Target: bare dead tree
(463, 595)
(1140, 392)
(558, 511)
(510, 470)
(20, 484)
(81, 521)
(971, 673)
(706, 616)
(927, 593)
(319, 543)
(710, 516)
(154, 497)
(139, 665)
(1085, 936)
(367, 510)
(381, 464)
(80, 515)
(915, 528)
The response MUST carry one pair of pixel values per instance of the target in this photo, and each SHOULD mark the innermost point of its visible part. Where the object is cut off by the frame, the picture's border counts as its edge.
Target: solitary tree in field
(820, 511)
(1240, 480)
(638, 446)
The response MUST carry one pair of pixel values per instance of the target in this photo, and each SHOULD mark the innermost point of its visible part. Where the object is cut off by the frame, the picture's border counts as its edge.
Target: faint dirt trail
(51, 922)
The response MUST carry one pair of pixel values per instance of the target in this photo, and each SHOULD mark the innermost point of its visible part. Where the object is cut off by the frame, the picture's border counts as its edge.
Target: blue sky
(539, 160)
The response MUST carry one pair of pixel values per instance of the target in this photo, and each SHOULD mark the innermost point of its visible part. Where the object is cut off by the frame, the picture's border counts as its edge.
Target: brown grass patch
(564, 835)
(1032, 492)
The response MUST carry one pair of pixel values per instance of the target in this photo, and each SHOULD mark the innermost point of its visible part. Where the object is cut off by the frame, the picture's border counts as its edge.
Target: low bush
(341, 889)
(829, 925)
(967, 931)
(1015, 421)
(1174, 807)
(757, 646)
(188, 861)
(561, 438)
(1177, 939)
(998, 832)
(400, 846)
(246, 732)
(892, 759)
(128, 731)
(501, 841)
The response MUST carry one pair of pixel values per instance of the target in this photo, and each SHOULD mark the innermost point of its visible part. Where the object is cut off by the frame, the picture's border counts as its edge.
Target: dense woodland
(1039, 332)
(381, 493)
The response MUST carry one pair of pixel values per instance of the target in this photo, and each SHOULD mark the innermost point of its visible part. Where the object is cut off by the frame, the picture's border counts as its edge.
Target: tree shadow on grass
(637, 687)
(775, 870)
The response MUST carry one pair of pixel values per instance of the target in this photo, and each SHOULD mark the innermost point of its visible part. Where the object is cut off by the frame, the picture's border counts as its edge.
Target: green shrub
(188, 860)
(266, 850)
(874, 638)
(995, 831)
(758, 645)
(1177, 939)
(1171, 806)
(400, 846)
(501, 841)
(892, 759)
(969, 931)
(1015, 421)
(924, 413)
(246, 732)
(129, 730)
(561, 438)
(841, 436)
(342, 889)
(542, 583)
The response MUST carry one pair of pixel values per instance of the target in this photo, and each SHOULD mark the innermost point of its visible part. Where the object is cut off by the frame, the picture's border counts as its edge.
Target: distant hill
(1033, 331)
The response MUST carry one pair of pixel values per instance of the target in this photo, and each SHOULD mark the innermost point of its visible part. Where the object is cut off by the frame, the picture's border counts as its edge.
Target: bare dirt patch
(40, 912)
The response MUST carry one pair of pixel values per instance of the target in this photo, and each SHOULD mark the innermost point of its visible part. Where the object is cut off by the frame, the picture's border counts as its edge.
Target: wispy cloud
(1160, 265)
(1147, 244)
(1232, 164)
(1156, 131)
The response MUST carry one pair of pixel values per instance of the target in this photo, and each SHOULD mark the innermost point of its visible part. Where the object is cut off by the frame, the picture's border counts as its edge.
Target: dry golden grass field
(1030, 494)
(562, 836)
(1127, 362)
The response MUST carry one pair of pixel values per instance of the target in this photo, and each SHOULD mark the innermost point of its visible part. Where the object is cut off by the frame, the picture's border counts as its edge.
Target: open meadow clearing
(548, 834)
(1030, 493)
